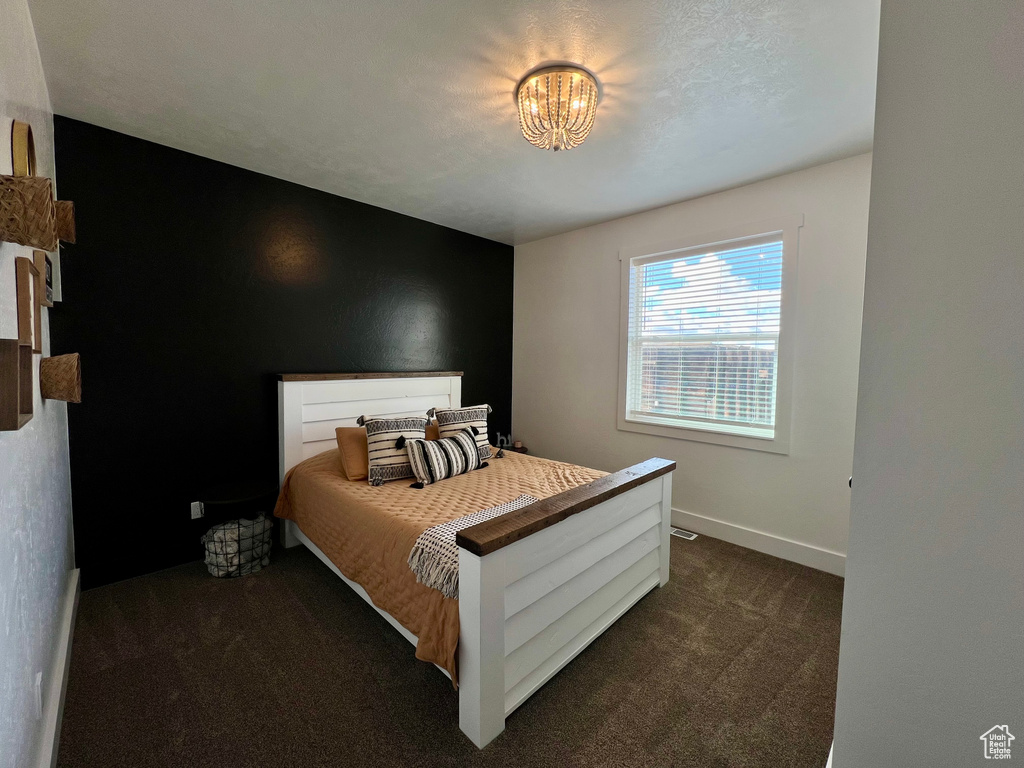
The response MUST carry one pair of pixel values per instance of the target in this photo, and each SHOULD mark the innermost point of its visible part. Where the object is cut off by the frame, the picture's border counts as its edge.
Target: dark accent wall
(193, 283)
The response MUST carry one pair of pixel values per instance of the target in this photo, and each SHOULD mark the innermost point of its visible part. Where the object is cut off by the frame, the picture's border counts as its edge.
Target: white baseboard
(53, 705)
(829, 763)
(777, 546)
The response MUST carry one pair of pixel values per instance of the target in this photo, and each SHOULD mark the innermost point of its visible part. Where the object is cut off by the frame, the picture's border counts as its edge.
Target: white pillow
(436, 460)
(451, 421)
(387, 458)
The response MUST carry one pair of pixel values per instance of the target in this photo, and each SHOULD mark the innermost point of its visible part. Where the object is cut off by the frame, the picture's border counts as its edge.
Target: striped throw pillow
(387, 458)
(451, 421)
(435, 460)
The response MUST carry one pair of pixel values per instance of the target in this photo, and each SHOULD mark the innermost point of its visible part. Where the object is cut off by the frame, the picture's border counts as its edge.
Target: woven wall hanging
(27, 212)
(65, 211)
(60, 378)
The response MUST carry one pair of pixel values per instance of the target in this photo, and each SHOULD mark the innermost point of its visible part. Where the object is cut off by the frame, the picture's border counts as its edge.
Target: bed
(536, 586)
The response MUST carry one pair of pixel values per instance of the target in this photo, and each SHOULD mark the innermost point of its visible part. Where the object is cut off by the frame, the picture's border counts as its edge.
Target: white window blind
(703, 337)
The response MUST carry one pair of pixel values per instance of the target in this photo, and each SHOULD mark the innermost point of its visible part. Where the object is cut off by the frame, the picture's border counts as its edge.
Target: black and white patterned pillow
(435, 460)
(387, 458)
(451, 421)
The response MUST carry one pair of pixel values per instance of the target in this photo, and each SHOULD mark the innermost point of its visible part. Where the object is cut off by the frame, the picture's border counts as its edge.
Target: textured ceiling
(408, 105)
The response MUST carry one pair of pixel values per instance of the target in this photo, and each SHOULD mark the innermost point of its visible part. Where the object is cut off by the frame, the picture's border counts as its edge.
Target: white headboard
(311, 406)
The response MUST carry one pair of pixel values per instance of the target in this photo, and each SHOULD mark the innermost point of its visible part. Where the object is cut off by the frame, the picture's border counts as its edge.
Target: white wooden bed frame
(529, 607)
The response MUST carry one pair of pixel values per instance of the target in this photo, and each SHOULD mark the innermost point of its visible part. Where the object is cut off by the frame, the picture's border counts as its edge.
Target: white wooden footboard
(537, 586)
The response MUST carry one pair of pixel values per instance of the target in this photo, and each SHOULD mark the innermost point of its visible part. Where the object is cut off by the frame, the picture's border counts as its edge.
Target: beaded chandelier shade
(557, 105)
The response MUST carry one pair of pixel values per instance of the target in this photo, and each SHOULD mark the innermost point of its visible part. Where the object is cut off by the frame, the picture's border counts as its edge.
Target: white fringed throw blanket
(435, 555)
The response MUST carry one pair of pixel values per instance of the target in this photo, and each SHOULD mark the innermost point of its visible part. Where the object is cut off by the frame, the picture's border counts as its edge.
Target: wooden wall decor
(15, 385)
(23, 149)
(65, 213)
(44, 283)
(27, 212)
(30, 319)
(60, 378)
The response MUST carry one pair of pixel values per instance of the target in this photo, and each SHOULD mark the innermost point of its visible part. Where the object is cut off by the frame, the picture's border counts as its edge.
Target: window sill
(778, 444)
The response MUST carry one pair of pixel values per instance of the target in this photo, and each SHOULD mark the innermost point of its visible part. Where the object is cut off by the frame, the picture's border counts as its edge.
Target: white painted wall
(932, 650)
(566, 363)
(36, 545)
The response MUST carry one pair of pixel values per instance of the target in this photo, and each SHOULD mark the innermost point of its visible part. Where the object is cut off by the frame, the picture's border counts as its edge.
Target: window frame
(788, 227)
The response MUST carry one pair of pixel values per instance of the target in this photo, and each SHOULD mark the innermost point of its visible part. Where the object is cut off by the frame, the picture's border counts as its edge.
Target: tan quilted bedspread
(368, 532)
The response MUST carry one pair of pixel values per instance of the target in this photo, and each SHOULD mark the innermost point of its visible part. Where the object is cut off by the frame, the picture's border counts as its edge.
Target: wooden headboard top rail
(486, 537)
(346, 376)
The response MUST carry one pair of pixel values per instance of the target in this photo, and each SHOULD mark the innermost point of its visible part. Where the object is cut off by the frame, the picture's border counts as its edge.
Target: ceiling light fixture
(557, 104)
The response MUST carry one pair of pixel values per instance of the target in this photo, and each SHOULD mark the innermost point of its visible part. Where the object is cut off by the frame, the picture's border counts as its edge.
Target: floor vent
(684, 534)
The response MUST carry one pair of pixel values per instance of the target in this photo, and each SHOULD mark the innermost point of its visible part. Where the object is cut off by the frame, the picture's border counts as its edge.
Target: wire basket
(238, 547)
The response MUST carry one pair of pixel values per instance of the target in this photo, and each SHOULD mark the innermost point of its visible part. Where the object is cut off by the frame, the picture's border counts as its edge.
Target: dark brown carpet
(733, 663)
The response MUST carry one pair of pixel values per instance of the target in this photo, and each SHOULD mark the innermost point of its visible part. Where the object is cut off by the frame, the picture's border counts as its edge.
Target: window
(706, 353)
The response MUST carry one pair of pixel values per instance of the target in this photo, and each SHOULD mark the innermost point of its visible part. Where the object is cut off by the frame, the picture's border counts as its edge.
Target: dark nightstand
(236, 499)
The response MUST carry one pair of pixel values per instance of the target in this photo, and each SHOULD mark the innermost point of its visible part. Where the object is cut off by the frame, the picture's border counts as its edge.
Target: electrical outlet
(197, 510)
(39, 695)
